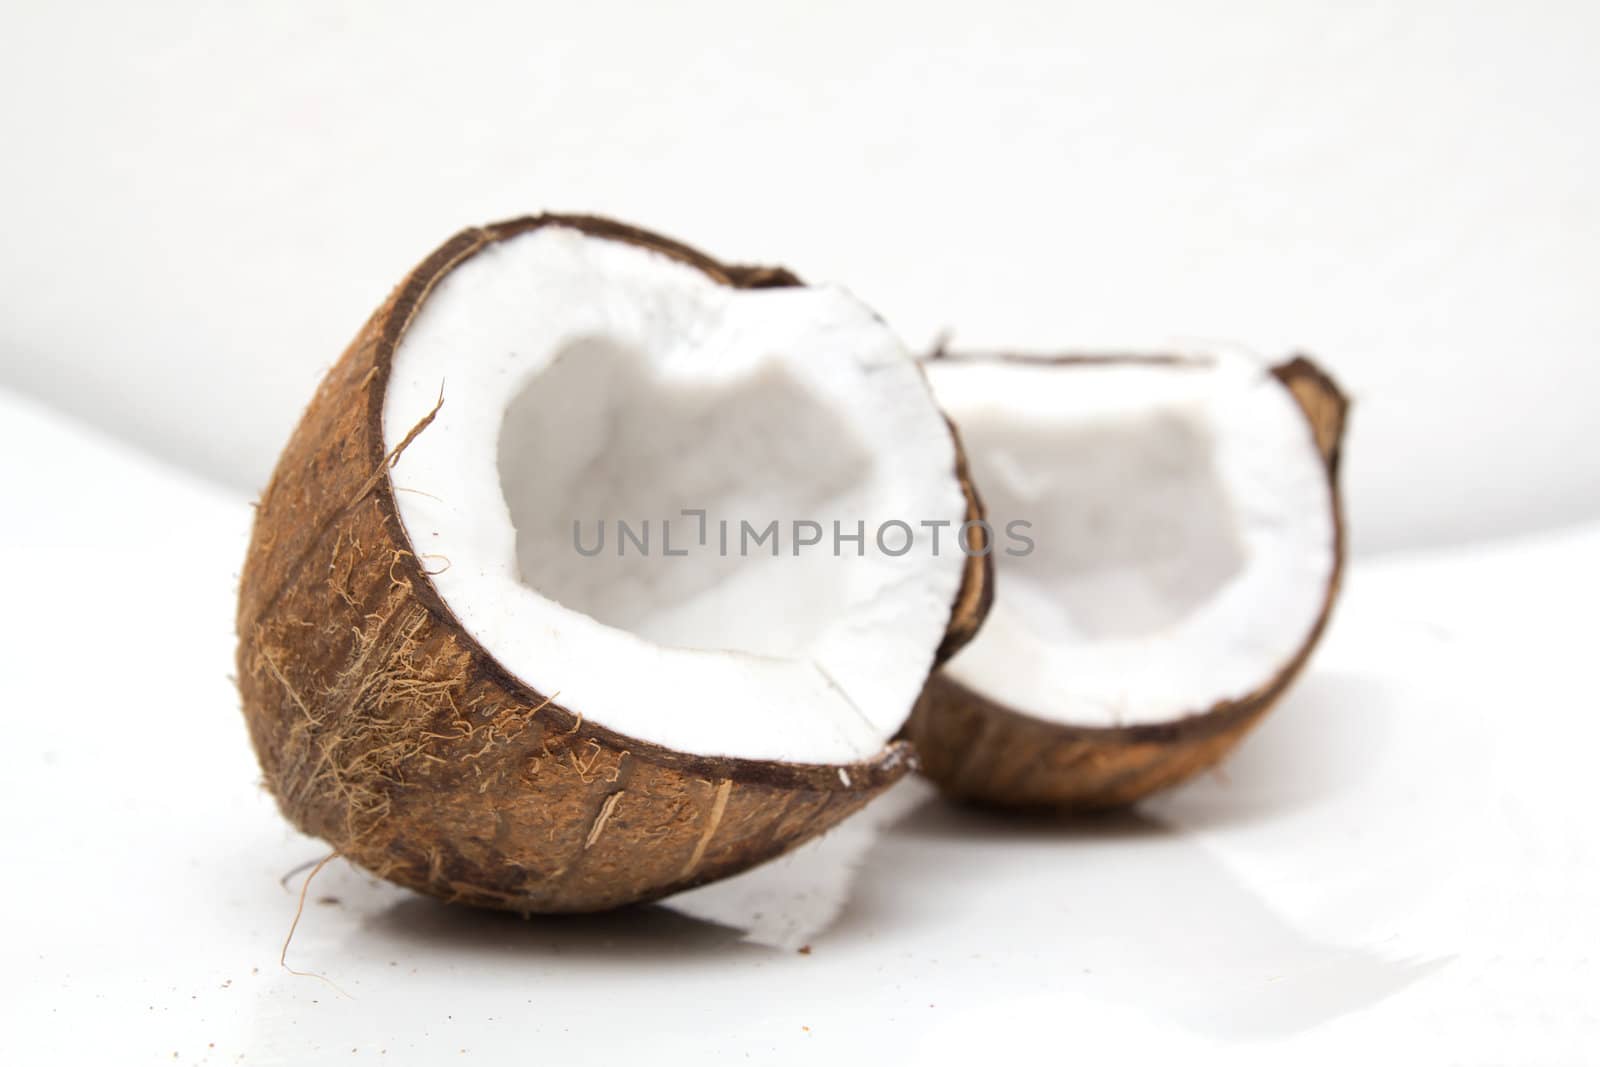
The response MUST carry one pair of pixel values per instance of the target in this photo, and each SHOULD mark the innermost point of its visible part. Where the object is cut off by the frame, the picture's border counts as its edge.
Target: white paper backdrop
(203, 201)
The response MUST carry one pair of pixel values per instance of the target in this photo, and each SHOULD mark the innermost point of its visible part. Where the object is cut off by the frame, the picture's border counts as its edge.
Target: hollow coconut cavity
(646, 595)
(1168, 550)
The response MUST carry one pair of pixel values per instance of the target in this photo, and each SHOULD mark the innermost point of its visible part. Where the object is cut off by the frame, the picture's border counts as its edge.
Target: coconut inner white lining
(591, 380)
(1182, 530)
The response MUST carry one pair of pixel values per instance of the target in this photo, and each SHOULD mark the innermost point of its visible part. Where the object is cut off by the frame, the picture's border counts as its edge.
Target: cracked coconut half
(1169, 546)
(505, 637)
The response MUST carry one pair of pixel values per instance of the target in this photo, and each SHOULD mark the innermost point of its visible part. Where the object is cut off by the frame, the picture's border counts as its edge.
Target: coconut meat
(592, 381)
(1182, 532)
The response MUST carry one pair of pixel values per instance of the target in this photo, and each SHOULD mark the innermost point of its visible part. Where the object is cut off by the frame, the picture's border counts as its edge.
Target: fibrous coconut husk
(385, 729)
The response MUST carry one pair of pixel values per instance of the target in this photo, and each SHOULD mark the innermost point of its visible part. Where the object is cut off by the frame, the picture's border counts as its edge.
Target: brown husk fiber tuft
(977, 750)
(383, 728)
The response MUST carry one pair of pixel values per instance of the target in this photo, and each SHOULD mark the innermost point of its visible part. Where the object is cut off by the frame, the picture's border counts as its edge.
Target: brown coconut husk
(385, 729)
(978, 750)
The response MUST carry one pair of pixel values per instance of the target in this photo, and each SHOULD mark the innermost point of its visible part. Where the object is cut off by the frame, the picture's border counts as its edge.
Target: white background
(201, 202)
(203, 199)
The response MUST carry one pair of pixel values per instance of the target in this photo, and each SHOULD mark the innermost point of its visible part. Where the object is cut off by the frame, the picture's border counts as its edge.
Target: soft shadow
(795, 899)
(1321, 742)
(638, 934)
(945, 820)
(1127, 908)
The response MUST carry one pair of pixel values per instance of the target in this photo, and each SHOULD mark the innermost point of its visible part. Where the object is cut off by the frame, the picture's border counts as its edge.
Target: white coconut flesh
(1182, 524)
(593, 381)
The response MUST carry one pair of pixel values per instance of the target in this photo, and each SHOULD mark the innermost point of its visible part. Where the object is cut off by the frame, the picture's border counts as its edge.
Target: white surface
(202, 201)
(589, 381)
(1184, 528)
(1403, 857)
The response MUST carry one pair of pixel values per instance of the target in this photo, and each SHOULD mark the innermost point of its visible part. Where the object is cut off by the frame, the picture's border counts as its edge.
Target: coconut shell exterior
(385, 729)
(981, 751)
